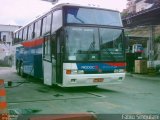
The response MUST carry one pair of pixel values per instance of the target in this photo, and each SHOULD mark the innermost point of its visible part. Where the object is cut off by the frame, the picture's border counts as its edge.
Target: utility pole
(150, 46)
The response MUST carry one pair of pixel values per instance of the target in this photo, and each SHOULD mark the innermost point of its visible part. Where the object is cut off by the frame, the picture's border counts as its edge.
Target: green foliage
(157, 39)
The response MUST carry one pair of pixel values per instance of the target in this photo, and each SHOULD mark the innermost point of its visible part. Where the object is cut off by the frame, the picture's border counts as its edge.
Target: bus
(72, 45)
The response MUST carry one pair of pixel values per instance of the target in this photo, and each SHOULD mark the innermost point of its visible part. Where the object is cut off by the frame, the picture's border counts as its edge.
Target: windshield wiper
(92, 45)
(79, 20)
(106, 49)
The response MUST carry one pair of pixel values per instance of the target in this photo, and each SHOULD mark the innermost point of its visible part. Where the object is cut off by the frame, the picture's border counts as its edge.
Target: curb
(81, 116)
(148, 77)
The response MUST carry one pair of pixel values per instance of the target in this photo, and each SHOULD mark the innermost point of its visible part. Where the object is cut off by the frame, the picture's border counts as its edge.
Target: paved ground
(137, 94)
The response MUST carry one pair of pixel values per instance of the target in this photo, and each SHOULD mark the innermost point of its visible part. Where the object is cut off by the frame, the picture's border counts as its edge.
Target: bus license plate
(98, 80)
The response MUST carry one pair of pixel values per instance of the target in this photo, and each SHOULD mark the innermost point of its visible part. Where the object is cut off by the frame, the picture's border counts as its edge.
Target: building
(149, 18)
(6, 37)
(6, 33)
(134, 6)
(143, 5)
(131, 6)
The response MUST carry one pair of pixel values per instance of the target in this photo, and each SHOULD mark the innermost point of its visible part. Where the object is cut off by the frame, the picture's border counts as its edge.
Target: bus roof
(60, 5)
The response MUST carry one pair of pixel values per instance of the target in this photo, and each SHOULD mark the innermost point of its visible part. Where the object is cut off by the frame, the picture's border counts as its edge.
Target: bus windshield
(99, 16)
(93, 44)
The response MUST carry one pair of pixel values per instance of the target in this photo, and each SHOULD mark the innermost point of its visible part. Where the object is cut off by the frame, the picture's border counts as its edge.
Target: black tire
(18, 68)
(21, 70)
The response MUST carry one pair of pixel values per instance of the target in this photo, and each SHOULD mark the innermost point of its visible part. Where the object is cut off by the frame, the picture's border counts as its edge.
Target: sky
(21, 12)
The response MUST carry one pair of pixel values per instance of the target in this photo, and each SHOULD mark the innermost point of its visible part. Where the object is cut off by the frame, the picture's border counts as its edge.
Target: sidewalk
(145, 76)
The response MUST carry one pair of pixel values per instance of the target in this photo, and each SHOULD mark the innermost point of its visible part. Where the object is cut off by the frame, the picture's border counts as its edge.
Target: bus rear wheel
(21, 70)
(17, 68)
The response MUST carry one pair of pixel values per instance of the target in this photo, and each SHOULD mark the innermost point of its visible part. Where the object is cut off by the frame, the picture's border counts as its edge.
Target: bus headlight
(119, 71)
(74, 72)
(80, 71)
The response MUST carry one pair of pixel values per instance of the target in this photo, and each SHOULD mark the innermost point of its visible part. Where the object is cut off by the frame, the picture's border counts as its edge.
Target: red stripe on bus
(33, 43)
(2, 92)
(118, 64)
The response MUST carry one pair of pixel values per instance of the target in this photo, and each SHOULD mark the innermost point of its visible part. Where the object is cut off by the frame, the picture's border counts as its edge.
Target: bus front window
(111, 44)
(80, 41)
(94, 44)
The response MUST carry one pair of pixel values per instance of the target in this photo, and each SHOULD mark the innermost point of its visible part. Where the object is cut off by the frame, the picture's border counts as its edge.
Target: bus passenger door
(60, 52)
(47, 61)
(54, 57)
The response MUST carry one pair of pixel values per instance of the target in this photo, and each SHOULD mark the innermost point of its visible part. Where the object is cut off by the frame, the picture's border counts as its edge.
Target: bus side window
(33, 34)
(53, 46)
(25, 30)
(20, 35)
(37, 28)
(16, 37)
(30, 31)
(46, 24)
(47, 49)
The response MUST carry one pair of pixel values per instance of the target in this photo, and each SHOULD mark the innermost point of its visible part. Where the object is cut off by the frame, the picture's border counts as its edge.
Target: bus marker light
(68, 71)
(80, 72)
(120, 78)
(73, 80)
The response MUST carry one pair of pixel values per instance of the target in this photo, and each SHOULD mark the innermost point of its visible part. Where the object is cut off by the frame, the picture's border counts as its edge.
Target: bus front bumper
(92, 79)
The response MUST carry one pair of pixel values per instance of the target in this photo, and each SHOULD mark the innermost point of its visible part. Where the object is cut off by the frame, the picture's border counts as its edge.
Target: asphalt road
(136, 95)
